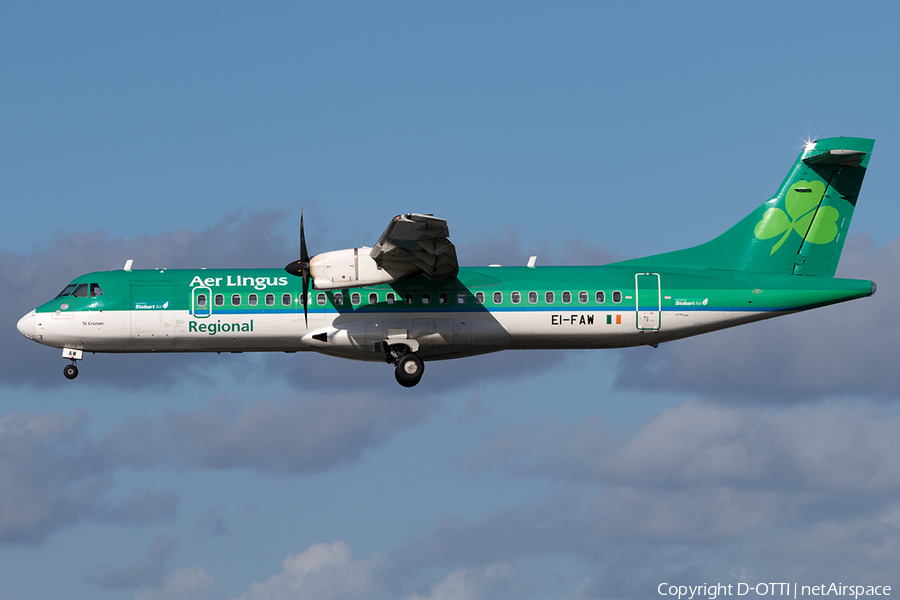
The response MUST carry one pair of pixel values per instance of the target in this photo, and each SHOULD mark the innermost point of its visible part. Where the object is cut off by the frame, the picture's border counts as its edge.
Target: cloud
(307, 434)
(330, 571)
(322, 572)
(838, 350)
(697, 494)
(150, 571)
(212, 525)
(55, 474)
(491, 582)
(52, 477)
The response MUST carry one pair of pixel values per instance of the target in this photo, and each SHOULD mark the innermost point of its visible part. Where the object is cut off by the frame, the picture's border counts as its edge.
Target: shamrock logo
(801, 202)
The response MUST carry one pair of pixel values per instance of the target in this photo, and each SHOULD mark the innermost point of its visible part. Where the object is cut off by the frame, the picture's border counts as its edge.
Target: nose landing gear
(71, 371)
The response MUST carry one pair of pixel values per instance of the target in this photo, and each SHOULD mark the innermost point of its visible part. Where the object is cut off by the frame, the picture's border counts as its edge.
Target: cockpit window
(95, 290)
(68, 290)
(81, 291)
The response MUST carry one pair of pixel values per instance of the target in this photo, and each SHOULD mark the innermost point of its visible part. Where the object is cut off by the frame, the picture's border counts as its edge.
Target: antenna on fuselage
(128, 264)
(531, 262)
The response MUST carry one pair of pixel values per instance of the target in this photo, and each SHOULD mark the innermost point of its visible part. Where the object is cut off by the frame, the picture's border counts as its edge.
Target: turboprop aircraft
(406, 300)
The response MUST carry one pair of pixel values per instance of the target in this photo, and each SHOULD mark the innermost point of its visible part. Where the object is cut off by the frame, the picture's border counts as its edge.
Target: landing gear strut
(409, 367)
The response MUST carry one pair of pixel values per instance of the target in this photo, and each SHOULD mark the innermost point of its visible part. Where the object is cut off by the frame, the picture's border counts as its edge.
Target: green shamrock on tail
(801, 210)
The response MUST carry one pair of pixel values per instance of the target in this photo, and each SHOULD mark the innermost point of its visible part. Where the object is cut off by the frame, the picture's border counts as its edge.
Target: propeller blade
(304, 255)
(300, 268)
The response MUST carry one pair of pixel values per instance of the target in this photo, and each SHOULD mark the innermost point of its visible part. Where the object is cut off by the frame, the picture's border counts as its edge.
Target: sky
(187, 135)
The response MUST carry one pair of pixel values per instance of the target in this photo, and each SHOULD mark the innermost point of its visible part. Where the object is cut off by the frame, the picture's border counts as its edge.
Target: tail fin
(802, 229)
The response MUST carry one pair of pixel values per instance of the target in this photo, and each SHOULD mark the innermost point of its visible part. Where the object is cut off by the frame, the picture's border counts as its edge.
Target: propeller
(300, 268)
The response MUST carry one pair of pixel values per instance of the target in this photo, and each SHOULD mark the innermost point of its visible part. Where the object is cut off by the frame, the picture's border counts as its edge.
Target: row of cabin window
(550, 297)
(408, 298)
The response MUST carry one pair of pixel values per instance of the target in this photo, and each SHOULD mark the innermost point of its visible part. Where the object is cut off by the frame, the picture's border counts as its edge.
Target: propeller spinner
(300, 268)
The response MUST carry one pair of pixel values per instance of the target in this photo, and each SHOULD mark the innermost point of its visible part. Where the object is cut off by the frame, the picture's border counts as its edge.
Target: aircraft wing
(414, 243)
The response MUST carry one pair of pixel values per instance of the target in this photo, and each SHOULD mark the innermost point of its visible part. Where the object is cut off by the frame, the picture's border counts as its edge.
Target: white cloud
(330, 572)
(322, 572)
(697, 493)
(492, 582)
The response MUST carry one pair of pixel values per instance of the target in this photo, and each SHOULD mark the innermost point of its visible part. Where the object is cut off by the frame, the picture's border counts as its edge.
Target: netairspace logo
(771, 589)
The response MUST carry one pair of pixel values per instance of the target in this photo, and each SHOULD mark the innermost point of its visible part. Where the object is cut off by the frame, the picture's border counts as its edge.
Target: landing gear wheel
(409, 370)
(70, 371)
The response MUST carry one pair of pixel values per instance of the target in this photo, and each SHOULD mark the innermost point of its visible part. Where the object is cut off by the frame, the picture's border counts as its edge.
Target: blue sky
(191, 135)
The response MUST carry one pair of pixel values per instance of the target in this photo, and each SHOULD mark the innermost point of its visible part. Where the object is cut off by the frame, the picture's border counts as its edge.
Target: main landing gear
(408, 366)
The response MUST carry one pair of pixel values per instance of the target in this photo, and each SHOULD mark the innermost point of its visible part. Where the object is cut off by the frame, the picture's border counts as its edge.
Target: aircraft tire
(70, 371)
(409, 370)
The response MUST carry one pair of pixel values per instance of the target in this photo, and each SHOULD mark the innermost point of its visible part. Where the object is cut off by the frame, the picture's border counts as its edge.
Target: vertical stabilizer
(801, 229)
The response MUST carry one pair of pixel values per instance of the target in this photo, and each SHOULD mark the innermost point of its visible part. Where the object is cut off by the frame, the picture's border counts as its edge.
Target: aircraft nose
(26, 326)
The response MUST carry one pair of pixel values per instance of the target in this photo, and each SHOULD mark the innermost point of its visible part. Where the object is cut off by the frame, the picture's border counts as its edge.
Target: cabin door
(647, 301)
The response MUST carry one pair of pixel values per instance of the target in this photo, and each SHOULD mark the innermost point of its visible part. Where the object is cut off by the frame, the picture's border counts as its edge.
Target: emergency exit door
(647, 301)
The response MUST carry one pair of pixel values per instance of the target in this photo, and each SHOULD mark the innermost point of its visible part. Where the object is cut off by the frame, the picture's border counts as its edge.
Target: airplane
(406, 300)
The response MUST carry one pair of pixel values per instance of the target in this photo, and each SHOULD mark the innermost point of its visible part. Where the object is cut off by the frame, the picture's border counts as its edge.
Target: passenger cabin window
(286, 299)
(95, 290)
(516, 297)
(566, 297)
(617, 297)
(373, 298)
(253, 300)
(201, 299)
(461, 297)
(426, 298)
(235, 299)
(270, 299)
(532, 297)
(407, 298)
(498, 297)
(600, 297)
(443, 298)
(67, 290)
(583, 297)
(549, 297)
(355, 298)
(479, 297)
(338, 299)
(81, 291)
(390, 297)
(220, 300)
(320, 299)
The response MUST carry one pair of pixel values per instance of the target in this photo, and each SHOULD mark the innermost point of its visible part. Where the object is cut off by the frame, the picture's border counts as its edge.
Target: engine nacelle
(340, 269)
